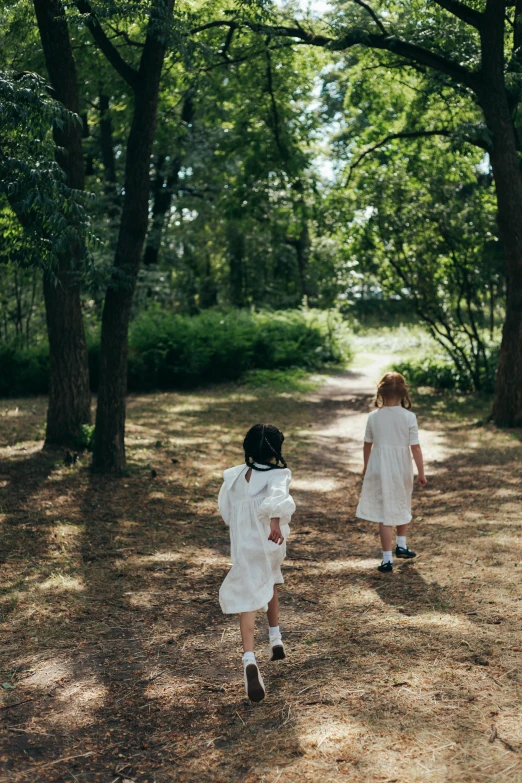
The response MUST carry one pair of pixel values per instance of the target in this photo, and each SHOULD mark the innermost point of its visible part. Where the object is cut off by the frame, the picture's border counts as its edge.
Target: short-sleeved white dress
(388, 482)
(247, 508)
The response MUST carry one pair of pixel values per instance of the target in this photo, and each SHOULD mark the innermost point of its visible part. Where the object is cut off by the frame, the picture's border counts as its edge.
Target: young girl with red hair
(391, 434)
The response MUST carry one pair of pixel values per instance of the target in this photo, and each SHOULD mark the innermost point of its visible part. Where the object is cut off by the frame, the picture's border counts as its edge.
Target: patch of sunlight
(185, 407)
(352, 564)
(143, 599)
(316, 485)
(58, 475)
(430, 619)
(159, 557)
(156, 495)
(330, 732)
(78, 704)
(127, 523)
(65, 530)
(435, 445)
(169, 688)
(61, 583)
(46, 673)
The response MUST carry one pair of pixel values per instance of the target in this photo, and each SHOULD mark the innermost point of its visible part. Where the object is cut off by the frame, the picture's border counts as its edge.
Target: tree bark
(69, 392)
(236, 254)
(109, 442)
(162, 191)
(108, 156)
(167, 177)
(493, 97)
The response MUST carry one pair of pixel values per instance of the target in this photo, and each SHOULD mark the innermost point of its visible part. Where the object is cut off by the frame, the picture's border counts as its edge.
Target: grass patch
(294, 379)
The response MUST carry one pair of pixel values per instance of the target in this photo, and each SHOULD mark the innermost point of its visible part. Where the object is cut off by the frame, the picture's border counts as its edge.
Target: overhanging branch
(101, 40)
(372, 13)
(462, 12)
(445, 132)
(358, 37)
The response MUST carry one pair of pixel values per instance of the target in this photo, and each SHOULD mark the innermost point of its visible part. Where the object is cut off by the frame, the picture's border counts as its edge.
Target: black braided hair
(262, 443)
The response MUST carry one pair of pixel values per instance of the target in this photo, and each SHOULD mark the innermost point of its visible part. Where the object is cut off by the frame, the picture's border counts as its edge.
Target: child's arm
(417, 456)
(366, 454)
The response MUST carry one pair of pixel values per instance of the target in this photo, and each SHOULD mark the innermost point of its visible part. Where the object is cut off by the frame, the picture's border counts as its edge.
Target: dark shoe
(254, 685)
(385, 568)
(401, 551)
(277, 649)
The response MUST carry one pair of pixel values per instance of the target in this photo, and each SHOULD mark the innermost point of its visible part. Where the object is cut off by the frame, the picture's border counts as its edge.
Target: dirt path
(119, 666)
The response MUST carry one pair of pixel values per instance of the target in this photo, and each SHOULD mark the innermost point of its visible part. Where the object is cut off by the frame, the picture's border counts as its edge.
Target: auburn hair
(392, 386)
(262, 445)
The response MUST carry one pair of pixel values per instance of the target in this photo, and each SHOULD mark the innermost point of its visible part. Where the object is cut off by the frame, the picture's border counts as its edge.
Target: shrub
(441, 373)
(173, 351)
(23, 370)
(169, 351)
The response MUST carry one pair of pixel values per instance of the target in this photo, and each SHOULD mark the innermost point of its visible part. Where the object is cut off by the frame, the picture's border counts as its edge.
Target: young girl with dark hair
(255, 503)
(391, 432)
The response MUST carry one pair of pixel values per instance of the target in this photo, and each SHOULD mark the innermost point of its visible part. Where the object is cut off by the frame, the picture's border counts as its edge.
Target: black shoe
(402, 551)
(254, 685)
(385, 568)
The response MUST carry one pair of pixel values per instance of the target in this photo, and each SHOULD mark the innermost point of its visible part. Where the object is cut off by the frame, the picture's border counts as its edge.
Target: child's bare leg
(273, 610)
(386, 532)
(254, 686)
(276, 645)
(402, 530)
(247, 621)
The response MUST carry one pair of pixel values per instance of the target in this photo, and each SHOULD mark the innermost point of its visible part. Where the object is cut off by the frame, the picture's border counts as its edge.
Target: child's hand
(275, 534)
(422, 480)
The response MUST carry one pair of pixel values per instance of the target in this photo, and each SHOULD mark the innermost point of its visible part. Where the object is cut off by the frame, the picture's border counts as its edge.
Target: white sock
(401, 541)
(273, 632)
(249, 657)
(387, 557)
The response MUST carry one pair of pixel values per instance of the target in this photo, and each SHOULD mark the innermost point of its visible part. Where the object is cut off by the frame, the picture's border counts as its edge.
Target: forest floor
(119, 666)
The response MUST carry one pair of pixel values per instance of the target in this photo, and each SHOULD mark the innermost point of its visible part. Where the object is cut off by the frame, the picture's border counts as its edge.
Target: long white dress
(388, 482)
(247, 507)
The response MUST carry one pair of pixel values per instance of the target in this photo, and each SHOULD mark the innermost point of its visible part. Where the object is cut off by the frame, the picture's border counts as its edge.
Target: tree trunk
(164, 184)
(236, 254)
(162, 190)
(108, 156)
(492, 94)
(109, 442)
(69, 393)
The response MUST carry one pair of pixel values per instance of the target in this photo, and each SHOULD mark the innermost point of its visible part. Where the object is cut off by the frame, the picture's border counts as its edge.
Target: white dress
(388, 482)
(247, 507)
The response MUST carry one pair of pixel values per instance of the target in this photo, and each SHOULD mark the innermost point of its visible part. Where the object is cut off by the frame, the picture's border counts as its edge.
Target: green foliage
(86, 439)
(52, 216)
(23, 370)
(440, 372)
(169, 351)
(290, 380)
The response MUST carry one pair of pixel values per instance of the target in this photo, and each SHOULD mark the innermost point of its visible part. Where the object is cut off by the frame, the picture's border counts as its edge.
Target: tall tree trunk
(165, 181)
(69, 394)
(109, 443)
(236, 255)
(162, 190)
(493, 97)
(108, 156)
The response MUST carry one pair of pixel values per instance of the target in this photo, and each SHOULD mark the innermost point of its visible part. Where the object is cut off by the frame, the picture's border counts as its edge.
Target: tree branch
(373, 15)
(360, 37)
(462, 12)
(126, 71)
(411, 135)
